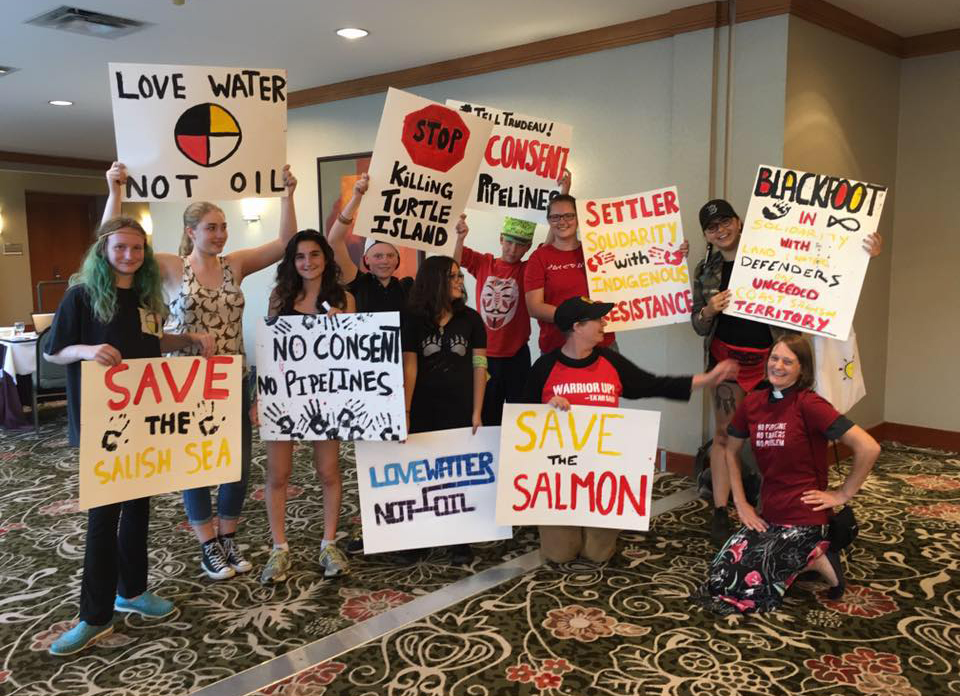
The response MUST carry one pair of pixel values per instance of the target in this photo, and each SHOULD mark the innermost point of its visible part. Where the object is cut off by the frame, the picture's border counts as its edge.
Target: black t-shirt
(374, 296)
(133, 331)
(443, 396)
(738, 331)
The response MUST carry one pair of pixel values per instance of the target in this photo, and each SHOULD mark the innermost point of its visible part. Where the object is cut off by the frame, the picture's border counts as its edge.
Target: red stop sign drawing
(435, 137)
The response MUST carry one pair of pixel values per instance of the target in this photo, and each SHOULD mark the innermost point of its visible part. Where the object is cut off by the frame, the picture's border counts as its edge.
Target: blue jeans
(229, 495)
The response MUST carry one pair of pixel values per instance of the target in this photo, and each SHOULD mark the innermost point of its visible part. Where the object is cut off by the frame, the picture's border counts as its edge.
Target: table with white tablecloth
(19, 362)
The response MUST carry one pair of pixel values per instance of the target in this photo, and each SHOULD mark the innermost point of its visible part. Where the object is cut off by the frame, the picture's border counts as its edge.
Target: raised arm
(337, 236)
(116, 180)
(462, 231)
(245, 262)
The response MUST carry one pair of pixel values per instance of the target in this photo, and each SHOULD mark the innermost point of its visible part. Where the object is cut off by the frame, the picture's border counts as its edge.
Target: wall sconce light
(251, 208)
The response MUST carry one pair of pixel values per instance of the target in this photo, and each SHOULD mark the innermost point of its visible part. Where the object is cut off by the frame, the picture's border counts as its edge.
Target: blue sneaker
(79, 637)
(147, 604)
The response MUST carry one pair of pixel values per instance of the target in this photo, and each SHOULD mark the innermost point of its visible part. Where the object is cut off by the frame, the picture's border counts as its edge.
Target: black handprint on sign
(384, 423)
(207, 419)
(317, 421)
(282, 420)
(309, 321)
(350, 418)
(283, 326)
(111, 437)
(776, 211)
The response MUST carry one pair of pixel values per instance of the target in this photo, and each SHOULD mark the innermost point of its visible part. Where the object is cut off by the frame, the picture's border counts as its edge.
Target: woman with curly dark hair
(444, 358)
(308, 282)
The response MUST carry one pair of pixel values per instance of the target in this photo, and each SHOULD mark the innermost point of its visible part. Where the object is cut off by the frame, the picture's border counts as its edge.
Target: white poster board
(631, 249)
(156, 425)
(436, 489)
(590, 466)
(522, 162)
(199, 133)
(801, 262)
(424, 163)
(330, 378)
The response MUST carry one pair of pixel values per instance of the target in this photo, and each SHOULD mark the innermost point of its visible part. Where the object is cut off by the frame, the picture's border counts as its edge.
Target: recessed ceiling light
(60, 102)
(352, 33)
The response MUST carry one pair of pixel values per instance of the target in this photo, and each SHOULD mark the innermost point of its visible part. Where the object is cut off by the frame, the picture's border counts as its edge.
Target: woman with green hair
(113, 311)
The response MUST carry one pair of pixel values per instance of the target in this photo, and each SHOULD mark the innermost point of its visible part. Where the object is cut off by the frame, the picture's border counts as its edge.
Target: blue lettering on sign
(473, 468)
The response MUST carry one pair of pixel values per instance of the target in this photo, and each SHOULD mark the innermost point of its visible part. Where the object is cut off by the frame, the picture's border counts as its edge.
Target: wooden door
(60, 227)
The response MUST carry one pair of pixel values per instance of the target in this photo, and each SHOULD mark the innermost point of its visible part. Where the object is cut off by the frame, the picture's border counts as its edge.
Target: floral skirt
(753, 570)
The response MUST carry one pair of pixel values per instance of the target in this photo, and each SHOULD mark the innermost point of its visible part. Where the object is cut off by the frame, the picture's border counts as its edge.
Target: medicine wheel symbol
(207, 134)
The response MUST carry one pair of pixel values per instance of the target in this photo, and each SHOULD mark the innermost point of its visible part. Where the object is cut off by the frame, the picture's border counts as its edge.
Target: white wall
(921, 371)
(641, 120)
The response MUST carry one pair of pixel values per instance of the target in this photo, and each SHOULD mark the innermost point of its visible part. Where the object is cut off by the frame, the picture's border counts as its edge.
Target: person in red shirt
(789, 427)
(501, 305)
(584, 372)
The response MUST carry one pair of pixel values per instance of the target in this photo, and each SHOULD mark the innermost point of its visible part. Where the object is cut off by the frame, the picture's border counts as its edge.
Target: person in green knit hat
(500, 301)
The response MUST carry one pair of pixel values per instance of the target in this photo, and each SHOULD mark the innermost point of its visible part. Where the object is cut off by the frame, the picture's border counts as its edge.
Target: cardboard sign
(330, 378)
(435, 489)
(631, 247)
(157, 425)
(800, 263)
(590, 466)
(522, 161)
(198, 133)
(425, 160)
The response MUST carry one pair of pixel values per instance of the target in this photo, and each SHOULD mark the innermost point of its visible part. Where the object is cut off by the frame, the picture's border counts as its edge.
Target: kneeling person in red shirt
(604, 376)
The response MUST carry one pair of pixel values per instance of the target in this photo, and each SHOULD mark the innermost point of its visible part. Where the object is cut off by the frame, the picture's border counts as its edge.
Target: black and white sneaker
(214, 562)
(231, 551)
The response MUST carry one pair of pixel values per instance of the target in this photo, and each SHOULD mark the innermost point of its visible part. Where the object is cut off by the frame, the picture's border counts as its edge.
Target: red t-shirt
(500, 302)
(789, 437)
(562, 275)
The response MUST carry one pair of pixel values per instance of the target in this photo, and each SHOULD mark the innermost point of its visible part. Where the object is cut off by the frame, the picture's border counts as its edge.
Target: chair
(49, 380)
(41, 322)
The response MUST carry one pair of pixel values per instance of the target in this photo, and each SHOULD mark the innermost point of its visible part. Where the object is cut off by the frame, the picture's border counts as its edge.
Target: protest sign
(436, 489)
(631, 249)
(522, 161)
(425, 160)
(800, 263)
(199, 133)
(334, 377)
(590, 466)
(156, 425)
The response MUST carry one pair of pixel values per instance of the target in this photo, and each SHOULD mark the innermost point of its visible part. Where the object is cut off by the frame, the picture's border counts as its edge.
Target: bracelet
(345, 221)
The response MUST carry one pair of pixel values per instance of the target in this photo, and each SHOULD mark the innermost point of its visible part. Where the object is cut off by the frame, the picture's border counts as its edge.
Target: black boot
(720, 526)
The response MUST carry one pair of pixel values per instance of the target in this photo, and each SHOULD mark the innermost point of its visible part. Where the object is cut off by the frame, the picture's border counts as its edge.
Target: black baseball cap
(717, 208)
(579, 309)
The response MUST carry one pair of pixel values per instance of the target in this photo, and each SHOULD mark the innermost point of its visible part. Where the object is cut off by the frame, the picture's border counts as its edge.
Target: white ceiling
(297, 35)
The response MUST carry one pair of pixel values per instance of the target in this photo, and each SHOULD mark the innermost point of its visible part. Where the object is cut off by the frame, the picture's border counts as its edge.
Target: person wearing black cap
(746, 341)
(585, 373)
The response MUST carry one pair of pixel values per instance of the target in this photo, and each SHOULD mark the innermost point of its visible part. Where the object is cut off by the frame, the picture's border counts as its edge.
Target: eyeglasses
(718, 223)
(565, 217)
(456, 276)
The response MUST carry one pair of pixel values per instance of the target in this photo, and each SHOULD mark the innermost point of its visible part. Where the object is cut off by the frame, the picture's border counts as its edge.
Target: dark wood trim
(923, 437)
(691, 18)
(695, 17)
(930, 44)
(847, 24)
(50, 161)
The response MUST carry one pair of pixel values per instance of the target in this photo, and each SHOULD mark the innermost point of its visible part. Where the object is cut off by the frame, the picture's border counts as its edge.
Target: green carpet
(628, 629)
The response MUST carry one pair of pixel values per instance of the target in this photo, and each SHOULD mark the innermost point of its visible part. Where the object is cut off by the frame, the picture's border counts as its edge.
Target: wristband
(345, 221)
(480, 361)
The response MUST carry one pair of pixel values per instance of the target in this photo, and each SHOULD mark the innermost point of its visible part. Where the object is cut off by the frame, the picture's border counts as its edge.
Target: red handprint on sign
(598, 259)
(669, 257)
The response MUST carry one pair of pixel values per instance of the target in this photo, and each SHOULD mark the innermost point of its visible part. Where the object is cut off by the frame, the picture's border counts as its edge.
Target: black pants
(115, 558)
(507, 377)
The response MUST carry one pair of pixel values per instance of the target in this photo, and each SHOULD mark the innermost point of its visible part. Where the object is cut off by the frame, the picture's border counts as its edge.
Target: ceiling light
(352, 33)
(60, 102)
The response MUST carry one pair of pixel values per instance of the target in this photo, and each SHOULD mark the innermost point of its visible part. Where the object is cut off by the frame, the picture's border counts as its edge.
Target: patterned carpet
(628, 629)
(219, 628)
